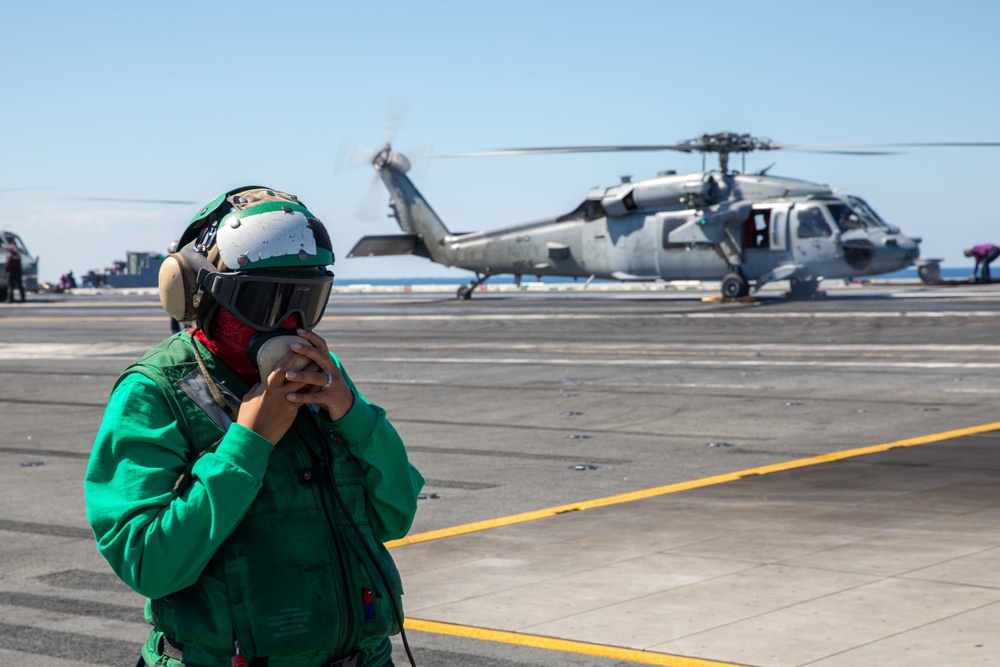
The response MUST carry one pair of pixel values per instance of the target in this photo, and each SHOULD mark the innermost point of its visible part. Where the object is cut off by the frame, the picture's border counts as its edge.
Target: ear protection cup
(178, 283)
(175, 292)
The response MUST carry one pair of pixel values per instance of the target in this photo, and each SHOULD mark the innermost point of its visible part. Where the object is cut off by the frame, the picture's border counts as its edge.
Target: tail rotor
(370, 204)
(352, 155)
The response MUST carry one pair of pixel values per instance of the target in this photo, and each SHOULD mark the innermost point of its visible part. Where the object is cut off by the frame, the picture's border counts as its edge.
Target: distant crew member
(12, 268)
(984, 254)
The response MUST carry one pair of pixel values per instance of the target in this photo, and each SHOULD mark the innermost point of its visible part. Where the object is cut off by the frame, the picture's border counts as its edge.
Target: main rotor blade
(569, 149)
(24, 188)
(178, 202)
(834, 151)
(121, 200)
(701, 147)
(912, 144)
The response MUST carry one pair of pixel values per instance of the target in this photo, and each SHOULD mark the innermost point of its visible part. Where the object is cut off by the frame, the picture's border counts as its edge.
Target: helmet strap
(213, 388)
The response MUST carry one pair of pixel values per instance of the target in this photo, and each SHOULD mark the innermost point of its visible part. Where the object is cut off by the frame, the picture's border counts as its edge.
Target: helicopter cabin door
(765, 238)
(812, 239)
(757, 229)
(779, 227)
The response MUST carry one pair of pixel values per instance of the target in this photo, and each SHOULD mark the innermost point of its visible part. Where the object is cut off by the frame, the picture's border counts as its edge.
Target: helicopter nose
(910, 245)
(899, 250)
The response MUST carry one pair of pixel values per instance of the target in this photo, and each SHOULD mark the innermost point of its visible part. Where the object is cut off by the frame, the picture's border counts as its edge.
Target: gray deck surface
(512, 405)
(890, 558)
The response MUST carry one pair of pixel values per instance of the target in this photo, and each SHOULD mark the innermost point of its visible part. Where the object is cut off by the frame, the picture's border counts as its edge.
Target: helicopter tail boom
(414, 215)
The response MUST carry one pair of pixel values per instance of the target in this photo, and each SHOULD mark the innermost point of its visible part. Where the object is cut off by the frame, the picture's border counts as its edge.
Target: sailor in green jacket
(252, 510)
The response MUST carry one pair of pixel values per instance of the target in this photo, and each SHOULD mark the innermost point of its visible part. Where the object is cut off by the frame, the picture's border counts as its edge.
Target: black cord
(328, 465)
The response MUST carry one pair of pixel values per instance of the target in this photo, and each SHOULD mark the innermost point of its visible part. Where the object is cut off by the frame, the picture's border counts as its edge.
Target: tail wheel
(930, 273)
(734, 286)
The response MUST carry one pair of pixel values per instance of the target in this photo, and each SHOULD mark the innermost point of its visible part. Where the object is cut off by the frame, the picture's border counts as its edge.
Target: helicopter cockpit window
(811, 223)
(868, 213)
(846, 218)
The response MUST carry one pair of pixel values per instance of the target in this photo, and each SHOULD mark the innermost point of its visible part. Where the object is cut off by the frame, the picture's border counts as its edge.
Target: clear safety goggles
(263, 301)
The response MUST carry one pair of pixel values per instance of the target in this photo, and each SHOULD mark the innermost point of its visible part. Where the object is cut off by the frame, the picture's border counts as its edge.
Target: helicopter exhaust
(665, 191)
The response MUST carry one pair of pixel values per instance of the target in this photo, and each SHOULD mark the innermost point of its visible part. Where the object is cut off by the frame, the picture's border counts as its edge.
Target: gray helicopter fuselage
(29, 263)
(699, 226)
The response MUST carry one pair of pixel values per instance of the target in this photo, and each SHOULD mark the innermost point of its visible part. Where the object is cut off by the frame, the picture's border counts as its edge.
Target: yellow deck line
(684, 486)
(538, 641)
(614, 652)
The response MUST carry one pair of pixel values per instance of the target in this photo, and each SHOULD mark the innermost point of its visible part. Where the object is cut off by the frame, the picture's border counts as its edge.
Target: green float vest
(283, 584)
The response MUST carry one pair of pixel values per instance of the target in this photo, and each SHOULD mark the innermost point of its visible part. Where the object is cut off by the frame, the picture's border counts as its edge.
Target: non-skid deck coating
(883, 556)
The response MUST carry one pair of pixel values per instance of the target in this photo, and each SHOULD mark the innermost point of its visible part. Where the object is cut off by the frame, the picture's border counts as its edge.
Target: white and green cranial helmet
(262, 256)
(261, 228)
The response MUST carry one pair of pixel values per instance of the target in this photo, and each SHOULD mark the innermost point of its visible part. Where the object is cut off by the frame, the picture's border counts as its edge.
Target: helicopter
(29, 263)
(743, 229)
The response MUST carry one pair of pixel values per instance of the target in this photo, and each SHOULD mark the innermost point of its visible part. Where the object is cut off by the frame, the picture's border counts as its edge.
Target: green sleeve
(156, 541)
(391, 482)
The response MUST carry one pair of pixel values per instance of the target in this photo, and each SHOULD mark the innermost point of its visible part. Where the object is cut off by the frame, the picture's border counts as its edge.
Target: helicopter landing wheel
(734, 286)
(465, 291)
(929, 273)
(803, 288)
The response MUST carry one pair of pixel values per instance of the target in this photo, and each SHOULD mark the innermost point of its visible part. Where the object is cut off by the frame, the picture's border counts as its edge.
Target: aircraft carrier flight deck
(616, 478)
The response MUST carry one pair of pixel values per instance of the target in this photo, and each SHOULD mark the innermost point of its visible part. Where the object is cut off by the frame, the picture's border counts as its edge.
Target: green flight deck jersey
(233, 540)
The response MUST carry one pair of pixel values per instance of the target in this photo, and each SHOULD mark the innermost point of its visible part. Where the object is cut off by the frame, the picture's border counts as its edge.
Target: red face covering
(230, 339)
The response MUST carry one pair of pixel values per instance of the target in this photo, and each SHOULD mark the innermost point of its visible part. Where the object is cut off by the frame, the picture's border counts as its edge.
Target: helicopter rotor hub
(382, 158)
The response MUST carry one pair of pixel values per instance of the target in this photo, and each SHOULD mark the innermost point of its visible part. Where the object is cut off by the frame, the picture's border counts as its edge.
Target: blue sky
(184, 100)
